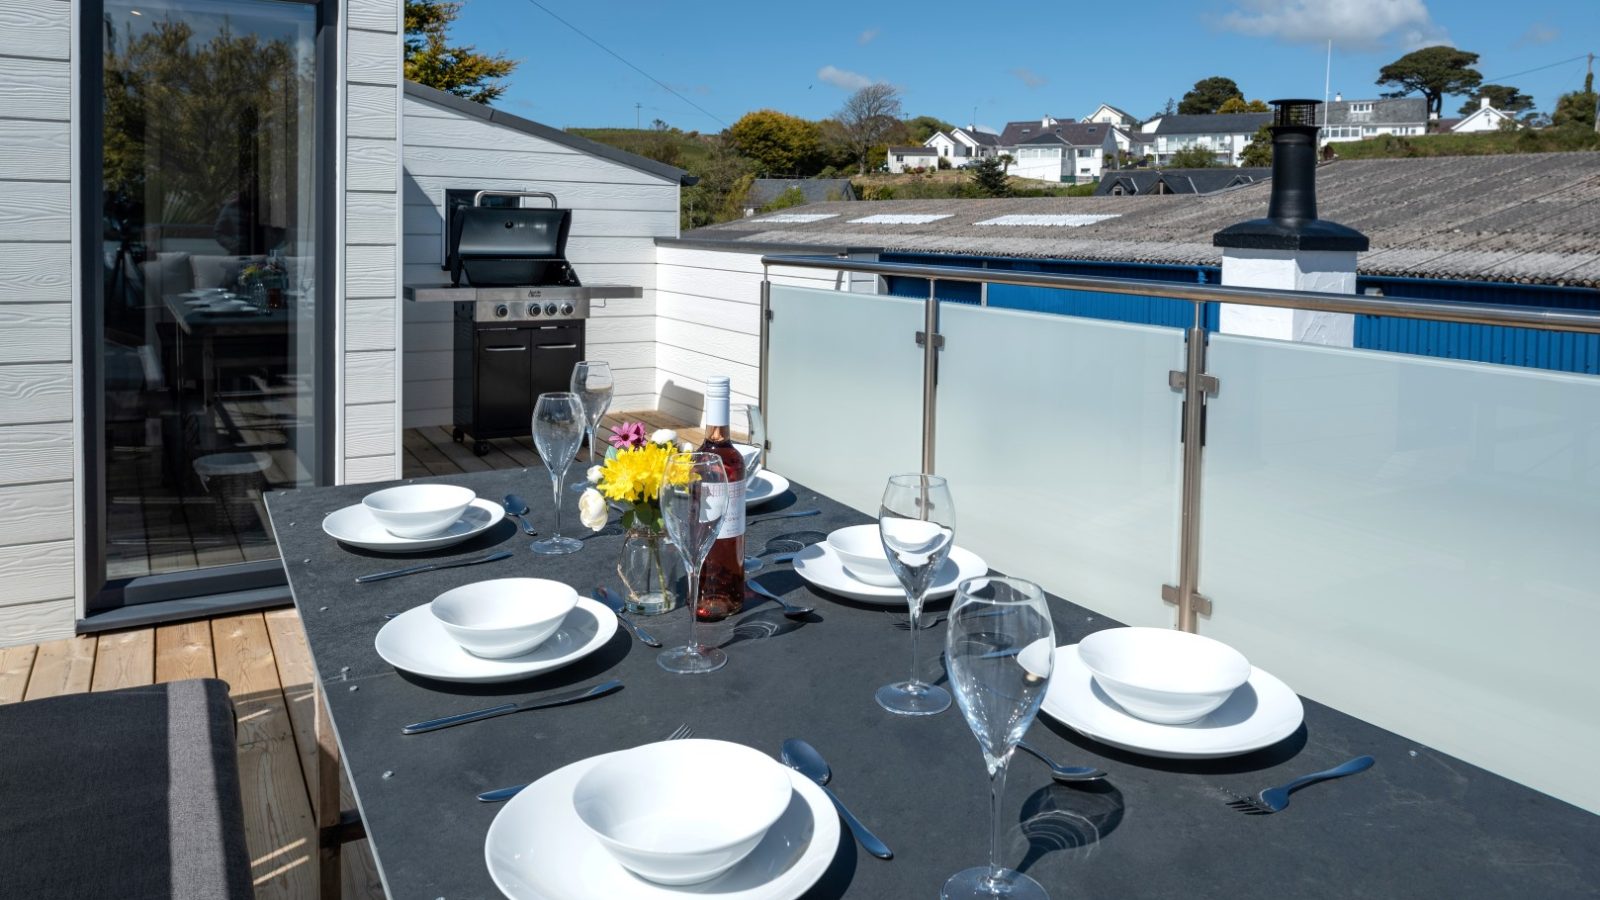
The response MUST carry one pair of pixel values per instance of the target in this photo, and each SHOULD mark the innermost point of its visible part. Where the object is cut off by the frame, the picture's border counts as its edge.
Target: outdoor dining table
(1419, 824)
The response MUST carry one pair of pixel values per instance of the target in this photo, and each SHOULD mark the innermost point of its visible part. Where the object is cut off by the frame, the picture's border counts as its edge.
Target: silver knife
(599, 690)
(614, 604)
(790, 514)
(429, 567)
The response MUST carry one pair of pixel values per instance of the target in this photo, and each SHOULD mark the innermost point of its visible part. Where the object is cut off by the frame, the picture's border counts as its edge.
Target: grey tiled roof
(1077, 134)
(984, 138)
(1530, 217)
(1230, 123)
(1400, 111)
(815, 190)
(1180, 181)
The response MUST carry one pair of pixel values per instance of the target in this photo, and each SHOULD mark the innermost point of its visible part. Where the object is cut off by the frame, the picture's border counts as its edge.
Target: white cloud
(843, 78)
(1539, 33)
(1349, 23)
(867, 36)
(1029, 77)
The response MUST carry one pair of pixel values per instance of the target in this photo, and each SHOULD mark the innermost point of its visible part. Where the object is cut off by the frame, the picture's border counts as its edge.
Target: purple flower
(627, 435)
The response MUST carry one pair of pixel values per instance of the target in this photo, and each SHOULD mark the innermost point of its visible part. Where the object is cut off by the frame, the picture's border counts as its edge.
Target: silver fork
(1276, 799)
(506, 793)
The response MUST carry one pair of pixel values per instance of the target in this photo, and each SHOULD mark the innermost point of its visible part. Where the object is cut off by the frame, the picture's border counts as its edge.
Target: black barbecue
(520, 310)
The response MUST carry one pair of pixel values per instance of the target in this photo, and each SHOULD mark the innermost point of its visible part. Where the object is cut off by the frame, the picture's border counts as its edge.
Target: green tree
(778, 143)
(458, 68)
(989, 177)
(718, 196)
(869, 119)
(1503, 97)
(921, 128)
(1241, 105)
(1577, 108)
(1259, 151)
(791, 197)
(1208, 95)
(1432, 72)
(1192, 158)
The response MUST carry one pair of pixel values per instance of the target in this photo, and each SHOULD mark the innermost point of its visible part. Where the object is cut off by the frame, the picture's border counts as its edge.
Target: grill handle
(477, 199)
(555, 346)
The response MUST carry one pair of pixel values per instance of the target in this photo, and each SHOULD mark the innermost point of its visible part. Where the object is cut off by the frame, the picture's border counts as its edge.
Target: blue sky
(959, 64)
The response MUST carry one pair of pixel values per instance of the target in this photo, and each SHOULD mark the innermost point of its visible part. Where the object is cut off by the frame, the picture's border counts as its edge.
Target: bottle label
(732, 497)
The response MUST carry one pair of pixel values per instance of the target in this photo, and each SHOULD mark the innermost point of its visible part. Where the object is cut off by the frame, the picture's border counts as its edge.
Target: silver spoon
(1063, 773)
(518, 509)
(790, 611)
(804, 758)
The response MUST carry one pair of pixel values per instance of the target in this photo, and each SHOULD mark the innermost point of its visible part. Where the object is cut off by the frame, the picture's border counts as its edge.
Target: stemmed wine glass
(1000, 649)
(917, 523)
(558, 422)
(592, 382)
(694, 496)
(756, 436)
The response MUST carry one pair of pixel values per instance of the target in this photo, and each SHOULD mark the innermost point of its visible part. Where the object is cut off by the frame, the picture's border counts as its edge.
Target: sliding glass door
(206, 373)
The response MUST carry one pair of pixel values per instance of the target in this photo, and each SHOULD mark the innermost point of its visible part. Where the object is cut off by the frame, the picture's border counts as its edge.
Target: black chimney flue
(1291, 222)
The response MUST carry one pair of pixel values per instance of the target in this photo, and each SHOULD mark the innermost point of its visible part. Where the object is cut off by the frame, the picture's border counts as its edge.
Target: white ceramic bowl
(1161, 675)
(682, 812)
(751, 454)
(418, 510)
(504, 617)
(860, 551)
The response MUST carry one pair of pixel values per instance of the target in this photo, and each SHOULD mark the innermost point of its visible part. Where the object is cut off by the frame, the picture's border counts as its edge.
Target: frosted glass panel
(1416, 542)
(1060, 439)
(844, 391)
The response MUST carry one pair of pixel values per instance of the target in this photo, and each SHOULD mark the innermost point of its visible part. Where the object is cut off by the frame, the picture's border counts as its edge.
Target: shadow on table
(1059, 817)
(585, 670)
(1254, 761)
(836, 880)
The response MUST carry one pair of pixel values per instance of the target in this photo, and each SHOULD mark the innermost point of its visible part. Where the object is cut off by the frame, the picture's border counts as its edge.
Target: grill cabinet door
(504, 383)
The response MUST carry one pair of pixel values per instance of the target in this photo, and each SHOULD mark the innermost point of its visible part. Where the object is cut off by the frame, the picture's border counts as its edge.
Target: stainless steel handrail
(1541, 318)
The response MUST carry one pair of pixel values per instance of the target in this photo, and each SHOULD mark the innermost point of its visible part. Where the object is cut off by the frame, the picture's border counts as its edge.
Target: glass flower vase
(650, 570)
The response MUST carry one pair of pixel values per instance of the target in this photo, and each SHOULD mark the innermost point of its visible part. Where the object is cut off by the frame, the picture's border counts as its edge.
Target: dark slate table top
(1419, 824)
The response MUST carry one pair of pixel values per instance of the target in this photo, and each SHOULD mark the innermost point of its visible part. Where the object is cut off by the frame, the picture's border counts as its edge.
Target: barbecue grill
(519, 319)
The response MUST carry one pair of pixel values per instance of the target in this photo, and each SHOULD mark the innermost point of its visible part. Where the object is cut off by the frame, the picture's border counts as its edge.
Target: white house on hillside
(1058, 151)
(902, 158)
(1353, 120)
(1106, 114)
(963, 144)
(1484, 118)
(1225, 135)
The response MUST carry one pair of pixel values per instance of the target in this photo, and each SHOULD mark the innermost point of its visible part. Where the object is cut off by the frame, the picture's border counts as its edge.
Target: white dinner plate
(819, 565)
(415, 642)
(355, 526)
(538, 849)
(1259, 714)
(764, 487)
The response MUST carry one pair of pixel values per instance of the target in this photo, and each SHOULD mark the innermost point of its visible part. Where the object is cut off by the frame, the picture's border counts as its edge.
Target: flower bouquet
(630, 478)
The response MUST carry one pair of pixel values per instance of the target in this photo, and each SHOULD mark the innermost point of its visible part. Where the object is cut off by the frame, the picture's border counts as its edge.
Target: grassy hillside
(954, 184)
(1489, 143)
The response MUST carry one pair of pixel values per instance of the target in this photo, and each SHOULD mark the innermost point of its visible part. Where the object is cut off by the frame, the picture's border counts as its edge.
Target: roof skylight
(1065, 220)
(798, 218)
(901, 219)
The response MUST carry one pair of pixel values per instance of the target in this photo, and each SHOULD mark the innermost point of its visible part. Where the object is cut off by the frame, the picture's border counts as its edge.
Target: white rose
(663, 436)
(593, 477)
(592, 510)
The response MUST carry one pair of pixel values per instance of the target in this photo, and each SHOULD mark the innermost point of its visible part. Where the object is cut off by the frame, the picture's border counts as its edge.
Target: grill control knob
(566, 309)
(501, 311)
(533, 310)
(549, 309)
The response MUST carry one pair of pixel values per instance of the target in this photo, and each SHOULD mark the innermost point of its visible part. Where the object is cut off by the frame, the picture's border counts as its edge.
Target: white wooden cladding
(38, 561)
(618, 212)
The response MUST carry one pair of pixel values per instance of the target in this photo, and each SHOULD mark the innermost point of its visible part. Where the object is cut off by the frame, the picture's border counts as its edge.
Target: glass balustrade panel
(1413, 541)
(844, 391)
(1060, 437)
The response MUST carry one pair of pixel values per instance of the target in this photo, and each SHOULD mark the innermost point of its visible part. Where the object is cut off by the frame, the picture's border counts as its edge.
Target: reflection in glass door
(208, 341)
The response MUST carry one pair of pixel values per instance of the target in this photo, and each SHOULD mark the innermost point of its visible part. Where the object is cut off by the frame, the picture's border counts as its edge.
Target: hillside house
(901, 159)
(1058, 150)
(1106, 114)
(1225, 135)
(1354, 120)
(1484, 118)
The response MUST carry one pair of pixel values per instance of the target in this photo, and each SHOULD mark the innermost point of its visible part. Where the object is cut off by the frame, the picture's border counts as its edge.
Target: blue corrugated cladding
(1480, 343)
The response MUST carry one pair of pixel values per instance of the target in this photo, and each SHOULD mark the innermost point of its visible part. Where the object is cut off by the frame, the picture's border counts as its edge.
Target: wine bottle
(722, 577)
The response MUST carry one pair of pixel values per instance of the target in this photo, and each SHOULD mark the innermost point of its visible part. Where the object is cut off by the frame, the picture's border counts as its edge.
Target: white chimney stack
(1483, 102)
(1338, 98)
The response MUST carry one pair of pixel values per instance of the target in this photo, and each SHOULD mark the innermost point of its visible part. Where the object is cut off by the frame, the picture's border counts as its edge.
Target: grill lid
(500, 247)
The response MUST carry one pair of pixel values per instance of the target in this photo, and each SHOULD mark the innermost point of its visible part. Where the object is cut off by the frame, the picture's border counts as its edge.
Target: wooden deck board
(124, 659)
(62, 667)
(184, 651)
(16, 663)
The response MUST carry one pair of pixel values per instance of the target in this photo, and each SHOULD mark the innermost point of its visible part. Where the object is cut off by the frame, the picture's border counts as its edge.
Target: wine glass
(558, 422)
(592, 382)
(917, 523)
(1000, 649)
(756, 434)
(694, 497)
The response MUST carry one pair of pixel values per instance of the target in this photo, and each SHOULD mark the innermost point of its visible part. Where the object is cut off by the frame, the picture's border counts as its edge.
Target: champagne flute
(917, 523)
(756, 434)
(592, 382)
(557, 430)
(1000, 649)
(694, 497)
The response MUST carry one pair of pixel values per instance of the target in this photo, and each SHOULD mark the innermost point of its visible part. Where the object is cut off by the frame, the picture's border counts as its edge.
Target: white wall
(618, 212)
(708, 321)
(39, 383)
(369, 324)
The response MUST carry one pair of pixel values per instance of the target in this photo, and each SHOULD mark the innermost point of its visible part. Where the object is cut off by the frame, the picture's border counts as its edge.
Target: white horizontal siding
(35, 332)
(35, 150)
(35, 273)
(35, 211)
(373, 15)
(35, 89)
(36, 392)
(618, 212)
(30, 513)
(32, 623)
(31, 453)
(35, 29)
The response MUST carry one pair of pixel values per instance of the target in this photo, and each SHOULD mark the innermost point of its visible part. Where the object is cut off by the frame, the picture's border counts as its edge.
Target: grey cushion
(131, 793)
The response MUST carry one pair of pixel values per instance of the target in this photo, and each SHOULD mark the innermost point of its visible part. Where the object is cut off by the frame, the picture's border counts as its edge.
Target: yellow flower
(634, 475)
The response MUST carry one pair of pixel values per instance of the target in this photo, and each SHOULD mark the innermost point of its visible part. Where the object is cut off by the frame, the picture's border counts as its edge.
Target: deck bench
(131, 793)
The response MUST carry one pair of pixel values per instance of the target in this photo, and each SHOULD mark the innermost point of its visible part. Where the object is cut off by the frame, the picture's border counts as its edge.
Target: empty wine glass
(694, 496)
(558, 422)
(999, 649)
(755, 454)
(592, 382)
(917, 523)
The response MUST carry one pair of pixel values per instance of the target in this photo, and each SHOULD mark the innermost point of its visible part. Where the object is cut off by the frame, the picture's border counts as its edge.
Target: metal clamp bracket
(1200, 603)
(1179, 381)
(922, 340)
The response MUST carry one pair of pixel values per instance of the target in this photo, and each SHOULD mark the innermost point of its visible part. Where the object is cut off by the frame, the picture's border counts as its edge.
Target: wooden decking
(263, 658)
(430, 451)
